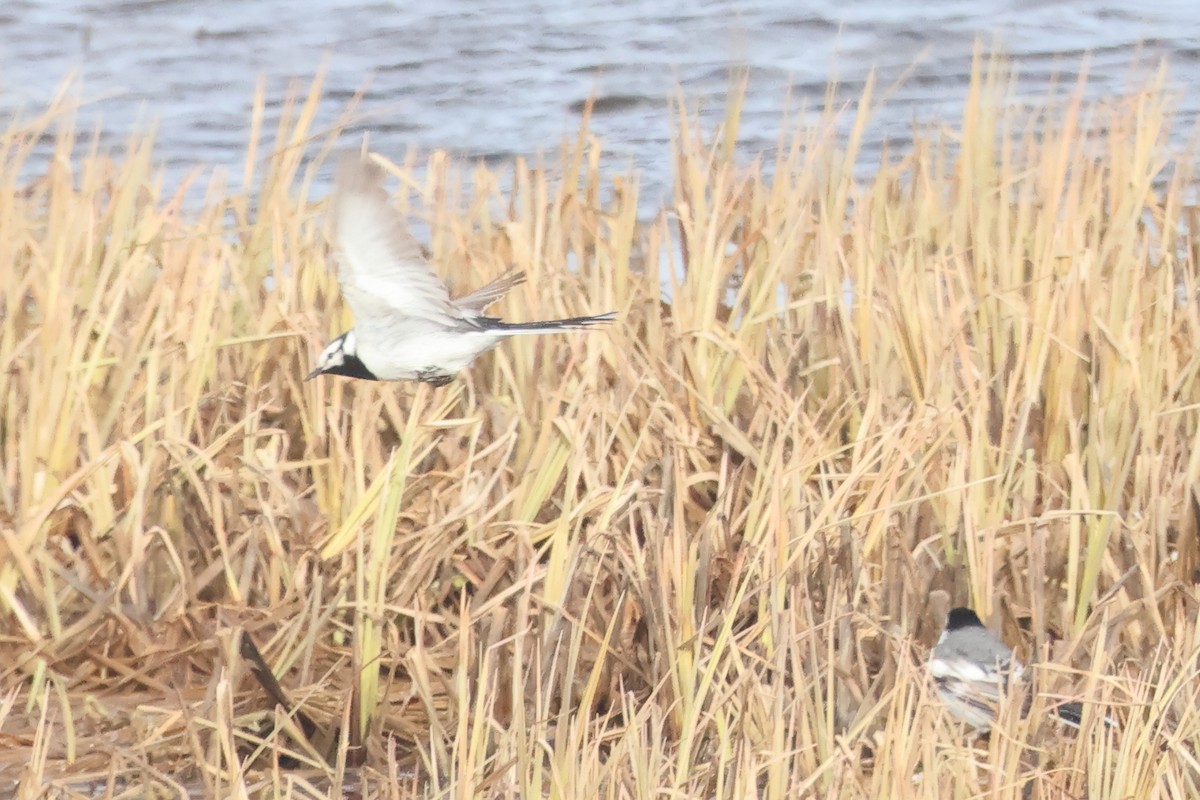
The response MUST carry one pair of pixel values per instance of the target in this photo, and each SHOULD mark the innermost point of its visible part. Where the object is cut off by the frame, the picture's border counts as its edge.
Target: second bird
(406, 325)
(973, 669)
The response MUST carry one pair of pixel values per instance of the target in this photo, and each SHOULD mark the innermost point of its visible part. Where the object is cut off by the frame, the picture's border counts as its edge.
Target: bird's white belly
(436, 352)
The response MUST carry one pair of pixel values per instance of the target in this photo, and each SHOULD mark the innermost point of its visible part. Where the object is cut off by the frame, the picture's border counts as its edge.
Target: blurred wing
(383, 275)
(472, 305)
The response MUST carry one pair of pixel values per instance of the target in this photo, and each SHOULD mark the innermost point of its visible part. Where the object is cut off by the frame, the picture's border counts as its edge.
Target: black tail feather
(1072, 714)
(548, 326)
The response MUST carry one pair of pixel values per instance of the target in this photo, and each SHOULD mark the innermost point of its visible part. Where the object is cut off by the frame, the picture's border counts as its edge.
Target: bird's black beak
(314, 374)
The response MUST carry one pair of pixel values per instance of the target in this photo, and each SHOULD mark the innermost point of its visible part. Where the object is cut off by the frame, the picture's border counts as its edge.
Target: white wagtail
(973, 669)
(407, 327)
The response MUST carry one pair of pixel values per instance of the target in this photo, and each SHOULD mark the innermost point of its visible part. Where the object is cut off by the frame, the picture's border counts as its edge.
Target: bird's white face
(334, 356)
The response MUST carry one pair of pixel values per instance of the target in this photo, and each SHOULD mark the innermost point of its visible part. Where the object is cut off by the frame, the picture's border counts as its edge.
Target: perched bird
(973, 669)
(407, 327)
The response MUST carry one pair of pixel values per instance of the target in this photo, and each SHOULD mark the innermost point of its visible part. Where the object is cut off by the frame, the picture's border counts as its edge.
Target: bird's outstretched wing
(382, 272)
(473, 304)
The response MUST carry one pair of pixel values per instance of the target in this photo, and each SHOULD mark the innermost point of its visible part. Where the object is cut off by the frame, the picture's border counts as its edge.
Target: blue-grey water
(493, 79)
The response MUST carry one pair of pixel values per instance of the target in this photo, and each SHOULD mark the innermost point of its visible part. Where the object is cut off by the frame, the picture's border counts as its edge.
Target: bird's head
(341, 358)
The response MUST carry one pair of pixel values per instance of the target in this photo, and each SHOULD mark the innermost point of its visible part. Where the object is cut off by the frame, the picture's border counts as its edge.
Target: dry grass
(701, 553)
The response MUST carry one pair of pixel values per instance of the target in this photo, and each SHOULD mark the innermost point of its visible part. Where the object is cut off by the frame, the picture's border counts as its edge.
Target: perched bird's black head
(962, 617)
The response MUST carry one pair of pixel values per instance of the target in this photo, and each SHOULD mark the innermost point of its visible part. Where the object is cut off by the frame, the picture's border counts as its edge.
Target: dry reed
(701, 553)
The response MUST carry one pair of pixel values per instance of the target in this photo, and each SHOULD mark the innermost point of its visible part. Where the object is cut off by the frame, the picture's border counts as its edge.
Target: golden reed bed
(701, 553)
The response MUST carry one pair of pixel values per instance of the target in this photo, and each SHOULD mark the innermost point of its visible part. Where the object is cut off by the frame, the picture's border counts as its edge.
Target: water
(492, 79)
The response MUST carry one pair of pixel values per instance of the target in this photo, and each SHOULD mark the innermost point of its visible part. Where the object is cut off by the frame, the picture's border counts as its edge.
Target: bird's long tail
(549, 326)
(1072, 714)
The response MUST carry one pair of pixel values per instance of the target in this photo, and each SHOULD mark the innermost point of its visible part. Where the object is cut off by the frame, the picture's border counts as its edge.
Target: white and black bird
(406, 325)
(973, 670)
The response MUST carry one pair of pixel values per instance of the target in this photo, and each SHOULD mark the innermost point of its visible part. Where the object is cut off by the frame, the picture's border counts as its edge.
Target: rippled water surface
(493, 79)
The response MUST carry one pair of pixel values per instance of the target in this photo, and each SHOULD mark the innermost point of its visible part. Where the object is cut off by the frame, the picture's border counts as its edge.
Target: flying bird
(406, 325)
